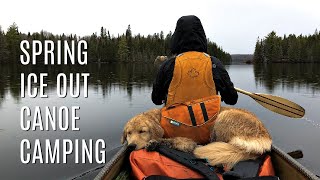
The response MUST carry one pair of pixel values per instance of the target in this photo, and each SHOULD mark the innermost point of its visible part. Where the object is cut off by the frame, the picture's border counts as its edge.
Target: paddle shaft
(243, 91)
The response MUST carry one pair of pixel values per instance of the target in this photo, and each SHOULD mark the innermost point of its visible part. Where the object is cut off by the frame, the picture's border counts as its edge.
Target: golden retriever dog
(144, 131)
(237, 135)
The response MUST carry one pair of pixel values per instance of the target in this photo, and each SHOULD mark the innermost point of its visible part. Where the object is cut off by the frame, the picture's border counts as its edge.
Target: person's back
(192, 78)
(192, 74)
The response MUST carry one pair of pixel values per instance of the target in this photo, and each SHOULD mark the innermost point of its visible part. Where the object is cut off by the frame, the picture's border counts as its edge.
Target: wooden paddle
(276, 104)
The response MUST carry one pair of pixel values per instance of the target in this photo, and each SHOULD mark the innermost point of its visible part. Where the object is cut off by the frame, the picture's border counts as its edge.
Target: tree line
(292, 48)
(103, 47)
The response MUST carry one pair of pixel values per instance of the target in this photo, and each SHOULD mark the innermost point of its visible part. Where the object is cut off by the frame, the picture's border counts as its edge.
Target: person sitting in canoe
(191, 79)
(189, 75)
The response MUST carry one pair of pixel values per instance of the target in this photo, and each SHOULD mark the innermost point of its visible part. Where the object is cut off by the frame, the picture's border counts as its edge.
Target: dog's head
(142, 128)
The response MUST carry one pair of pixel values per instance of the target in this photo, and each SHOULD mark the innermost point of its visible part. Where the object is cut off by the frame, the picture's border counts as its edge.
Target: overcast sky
(232, 24)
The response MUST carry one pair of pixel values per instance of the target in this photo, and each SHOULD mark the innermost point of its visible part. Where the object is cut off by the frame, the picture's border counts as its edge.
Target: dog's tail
(234, 151)
(256, 145)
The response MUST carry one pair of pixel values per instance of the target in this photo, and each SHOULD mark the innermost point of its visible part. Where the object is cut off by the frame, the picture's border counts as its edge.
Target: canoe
(285, 166)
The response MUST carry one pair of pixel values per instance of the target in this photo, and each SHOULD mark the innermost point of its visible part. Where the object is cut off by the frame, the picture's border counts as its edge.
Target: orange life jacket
(145, 164)
(192, 78)
(192, 104)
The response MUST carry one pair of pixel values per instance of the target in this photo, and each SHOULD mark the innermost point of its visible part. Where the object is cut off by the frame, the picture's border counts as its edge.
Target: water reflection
(102, 76)
(288, 76)
(105, 76)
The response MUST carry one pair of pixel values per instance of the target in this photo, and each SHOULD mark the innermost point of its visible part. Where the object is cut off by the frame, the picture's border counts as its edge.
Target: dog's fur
(236, 135)
(144, 131)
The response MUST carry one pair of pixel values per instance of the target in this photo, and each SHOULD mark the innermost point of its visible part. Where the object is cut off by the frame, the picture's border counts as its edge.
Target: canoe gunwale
(303, 170)
(108, 167)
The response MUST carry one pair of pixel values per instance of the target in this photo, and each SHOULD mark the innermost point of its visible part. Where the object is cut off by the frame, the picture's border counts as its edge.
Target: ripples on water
(119, 91)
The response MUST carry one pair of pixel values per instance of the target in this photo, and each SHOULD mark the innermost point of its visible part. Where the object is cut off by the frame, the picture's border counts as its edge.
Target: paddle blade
(279, 105)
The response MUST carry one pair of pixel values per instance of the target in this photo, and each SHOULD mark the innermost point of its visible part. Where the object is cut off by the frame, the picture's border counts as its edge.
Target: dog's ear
(124, 136)
(158, 130)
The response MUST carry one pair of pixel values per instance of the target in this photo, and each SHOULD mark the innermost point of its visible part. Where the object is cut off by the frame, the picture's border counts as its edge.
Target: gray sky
(232, 24)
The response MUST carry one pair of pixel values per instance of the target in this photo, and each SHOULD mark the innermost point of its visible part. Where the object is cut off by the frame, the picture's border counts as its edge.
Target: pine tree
(123, 50)
(272, 48)
(13, 42)
(258, 52)
(293, 49)
(129, 39)
(3, 47)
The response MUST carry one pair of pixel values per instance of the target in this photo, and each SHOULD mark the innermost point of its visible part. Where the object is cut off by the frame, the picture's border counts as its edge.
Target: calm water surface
(118, 92)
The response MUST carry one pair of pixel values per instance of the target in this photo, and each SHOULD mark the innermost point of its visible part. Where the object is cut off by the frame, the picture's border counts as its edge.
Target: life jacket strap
(192, 118)
(204, 112)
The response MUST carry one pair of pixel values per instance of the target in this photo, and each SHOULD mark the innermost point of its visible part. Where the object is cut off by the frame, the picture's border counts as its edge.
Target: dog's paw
(152, 145)
(184, 144)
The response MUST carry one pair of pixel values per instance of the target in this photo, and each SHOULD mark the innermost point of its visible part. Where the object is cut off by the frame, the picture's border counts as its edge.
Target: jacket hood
(188, 36)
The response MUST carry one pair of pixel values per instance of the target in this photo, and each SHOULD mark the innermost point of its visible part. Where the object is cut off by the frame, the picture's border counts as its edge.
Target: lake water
(118, 92)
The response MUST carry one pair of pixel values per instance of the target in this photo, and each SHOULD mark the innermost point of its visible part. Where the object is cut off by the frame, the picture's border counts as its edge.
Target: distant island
(291, 48)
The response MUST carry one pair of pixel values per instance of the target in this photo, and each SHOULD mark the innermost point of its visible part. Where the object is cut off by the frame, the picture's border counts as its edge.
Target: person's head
(188, 36)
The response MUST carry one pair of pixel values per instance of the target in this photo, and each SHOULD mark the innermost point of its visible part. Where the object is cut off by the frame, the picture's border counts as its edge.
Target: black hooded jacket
(190, 36)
